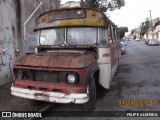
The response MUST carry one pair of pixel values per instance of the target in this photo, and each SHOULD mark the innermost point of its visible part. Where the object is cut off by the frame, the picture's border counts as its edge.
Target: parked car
(123, 51)
(124, 42)
(137, 39)
(152, 42)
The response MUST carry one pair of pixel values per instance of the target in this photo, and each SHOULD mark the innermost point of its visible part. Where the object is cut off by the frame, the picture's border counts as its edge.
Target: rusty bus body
(77, 48)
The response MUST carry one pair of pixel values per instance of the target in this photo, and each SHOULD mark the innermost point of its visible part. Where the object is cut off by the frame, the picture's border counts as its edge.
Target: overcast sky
(134, 12)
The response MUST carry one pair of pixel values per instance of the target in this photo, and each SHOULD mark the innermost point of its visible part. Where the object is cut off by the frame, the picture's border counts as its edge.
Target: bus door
(104, 59)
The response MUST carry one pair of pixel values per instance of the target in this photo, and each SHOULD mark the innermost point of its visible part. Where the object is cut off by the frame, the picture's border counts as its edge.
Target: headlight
(72, 78)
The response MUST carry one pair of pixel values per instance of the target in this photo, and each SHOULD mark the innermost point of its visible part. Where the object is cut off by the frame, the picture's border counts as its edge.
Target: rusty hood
(57, 59)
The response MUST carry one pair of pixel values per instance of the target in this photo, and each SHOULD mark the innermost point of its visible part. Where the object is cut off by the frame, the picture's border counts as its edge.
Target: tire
(90, 105)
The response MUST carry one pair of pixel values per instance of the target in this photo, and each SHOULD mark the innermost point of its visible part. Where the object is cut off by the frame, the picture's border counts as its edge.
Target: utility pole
(150, 13)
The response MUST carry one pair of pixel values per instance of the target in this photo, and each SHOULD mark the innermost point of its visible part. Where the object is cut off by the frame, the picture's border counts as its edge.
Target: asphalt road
(137, 79)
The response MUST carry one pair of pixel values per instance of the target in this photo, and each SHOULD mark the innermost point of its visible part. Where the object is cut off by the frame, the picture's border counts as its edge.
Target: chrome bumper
(56, 97)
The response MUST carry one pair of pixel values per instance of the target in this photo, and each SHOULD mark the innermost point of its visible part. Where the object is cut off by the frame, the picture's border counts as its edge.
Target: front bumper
(56, 97)
(152, 43)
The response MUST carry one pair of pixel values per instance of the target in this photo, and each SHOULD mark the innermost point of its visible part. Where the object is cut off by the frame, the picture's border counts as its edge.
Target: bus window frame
(107, 45)
(96, 42)
(65, 43)
(48, 29)
(113, 35)
(116, 32)
(110, 40)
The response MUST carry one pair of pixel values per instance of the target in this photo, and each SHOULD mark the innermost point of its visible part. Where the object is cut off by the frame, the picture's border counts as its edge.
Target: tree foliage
(132, 31)
(145, 26)
(122, 31)
(103, 5)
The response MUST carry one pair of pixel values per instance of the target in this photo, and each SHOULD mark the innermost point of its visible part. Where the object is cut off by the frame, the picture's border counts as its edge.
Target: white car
(137, 39)
(152, 42)
(124, 43)
(123, 51)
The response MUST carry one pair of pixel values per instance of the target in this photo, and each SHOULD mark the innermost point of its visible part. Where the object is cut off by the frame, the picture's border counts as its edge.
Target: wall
(9, 41)
(13, 14)
(30, 41)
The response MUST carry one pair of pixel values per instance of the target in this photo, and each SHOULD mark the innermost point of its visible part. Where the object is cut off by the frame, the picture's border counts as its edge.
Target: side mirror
(17, 52)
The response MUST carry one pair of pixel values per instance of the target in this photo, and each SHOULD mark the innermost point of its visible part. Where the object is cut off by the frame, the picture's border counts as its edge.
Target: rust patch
(41, 94)
(57, 60)
(71, 17)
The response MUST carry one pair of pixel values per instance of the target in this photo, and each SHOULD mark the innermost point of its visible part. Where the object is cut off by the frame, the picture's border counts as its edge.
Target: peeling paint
(57, 60)
(93, 18)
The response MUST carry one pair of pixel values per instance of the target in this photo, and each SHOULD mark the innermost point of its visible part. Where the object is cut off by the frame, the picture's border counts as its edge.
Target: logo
(6, 114)
(20, 114)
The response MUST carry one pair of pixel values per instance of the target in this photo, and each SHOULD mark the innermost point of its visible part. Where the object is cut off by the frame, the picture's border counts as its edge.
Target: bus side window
(116, 36)
(103, 37)
(113, 35)
(110, 41)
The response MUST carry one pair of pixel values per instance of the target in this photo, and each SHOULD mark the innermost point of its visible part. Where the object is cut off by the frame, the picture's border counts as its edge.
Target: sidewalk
(9, 102)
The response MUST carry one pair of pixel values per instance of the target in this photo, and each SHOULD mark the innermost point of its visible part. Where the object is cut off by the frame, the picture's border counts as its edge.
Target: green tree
(132, 31)
(103, 5)
(122, 31)
(145, 26)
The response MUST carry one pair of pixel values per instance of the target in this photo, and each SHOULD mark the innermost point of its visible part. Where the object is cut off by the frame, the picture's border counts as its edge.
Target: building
(137, 32)
(156, 26)
(152, 31)
(158, 32)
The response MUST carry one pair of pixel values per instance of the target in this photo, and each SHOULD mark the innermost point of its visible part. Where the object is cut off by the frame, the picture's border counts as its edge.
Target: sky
(133, 13)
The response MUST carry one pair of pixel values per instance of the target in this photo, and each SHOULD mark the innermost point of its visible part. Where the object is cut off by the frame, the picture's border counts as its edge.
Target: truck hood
(70, 59)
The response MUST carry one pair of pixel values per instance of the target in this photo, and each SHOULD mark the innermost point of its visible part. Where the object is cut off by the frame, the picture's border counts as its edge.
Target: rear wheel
(91, 89)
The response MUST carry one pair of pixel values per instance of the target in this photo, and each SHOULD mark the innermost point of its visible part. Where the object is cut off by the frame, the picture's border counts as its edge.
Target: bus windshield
(81, 36)
(54, 36)
(75, 36)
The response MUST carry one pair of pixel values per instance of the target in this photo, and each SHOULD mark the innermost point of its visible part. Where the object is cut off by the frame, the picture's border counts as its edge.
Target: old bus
(77, 49)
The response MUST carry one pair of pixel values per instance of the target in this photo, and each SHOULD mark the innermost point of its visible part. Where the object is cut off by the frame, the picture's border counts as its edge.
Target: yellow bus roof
(72, 17)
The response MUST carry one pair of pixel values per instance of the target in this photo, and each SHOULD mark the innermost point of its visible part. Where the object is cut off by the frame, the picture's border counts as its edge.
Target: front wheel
(91, 90)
